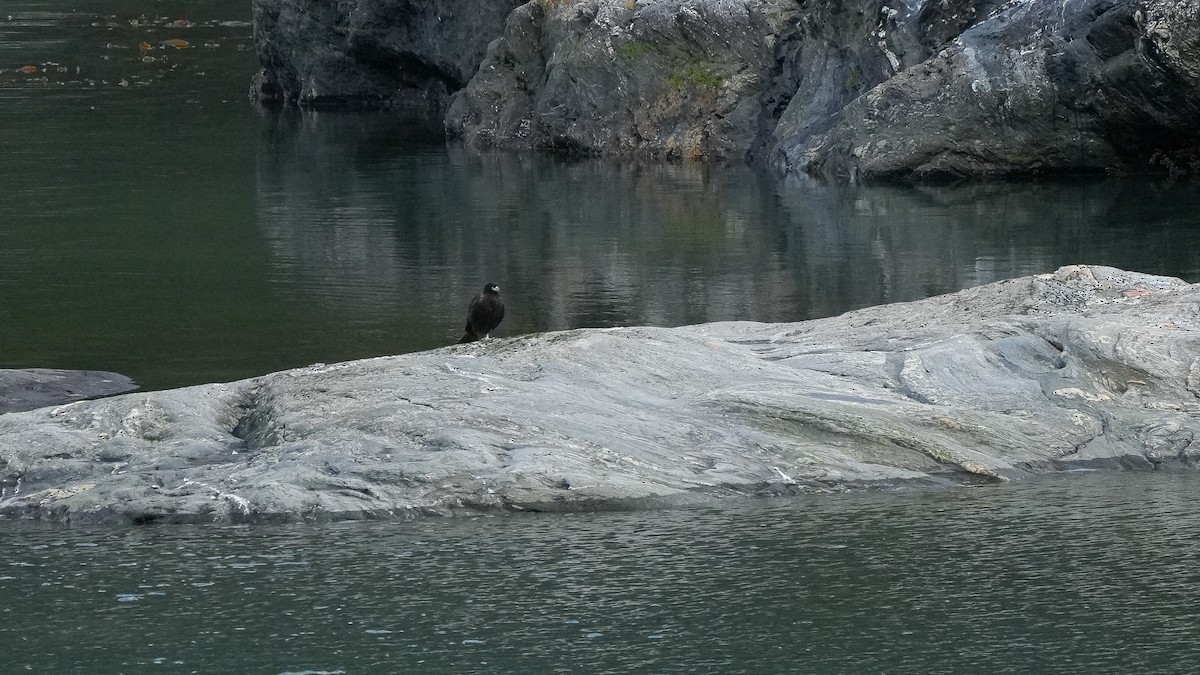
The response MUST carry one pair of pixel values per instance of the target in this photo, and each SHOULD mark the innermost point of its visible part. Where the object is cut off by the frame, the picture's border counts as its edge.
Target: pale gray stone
(1089, 367)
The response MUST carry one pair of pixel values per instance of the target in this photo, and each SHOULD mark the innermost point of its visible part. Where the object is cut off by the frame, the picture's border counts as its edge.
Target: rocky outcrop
(675, 78)
(867, 89)
(1088, 367)
(399, 52)
(1091, 86)
(39, 387)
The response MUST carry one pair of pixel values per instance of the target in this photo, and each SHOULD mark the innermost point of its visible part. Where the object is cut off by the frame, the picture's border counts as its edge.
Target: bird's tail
(468, 337)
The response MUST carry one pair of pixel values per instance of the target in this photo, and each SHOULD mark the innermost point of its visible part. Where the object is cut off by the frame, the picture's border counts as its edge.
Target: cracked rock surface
(1089, 367)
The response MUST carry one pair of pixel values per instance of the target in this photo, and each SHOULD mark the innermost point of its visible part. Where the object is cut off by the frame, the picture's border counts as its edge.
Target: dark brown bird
(485, 313)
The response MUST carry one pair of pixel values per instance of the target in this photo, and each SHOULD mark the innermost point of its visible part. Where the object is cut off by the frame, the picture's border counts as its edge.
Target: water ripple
(1082, 573)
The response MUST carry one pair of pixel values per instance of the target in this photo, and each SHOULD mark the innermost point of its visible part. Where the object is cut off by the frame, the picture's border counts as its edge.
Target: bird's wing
(473, 312)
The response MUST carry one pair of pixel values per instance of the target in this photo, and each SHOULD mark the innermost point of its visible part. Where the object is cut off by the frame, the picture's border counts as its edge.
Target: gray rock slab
(27, 389)
(1089, 367)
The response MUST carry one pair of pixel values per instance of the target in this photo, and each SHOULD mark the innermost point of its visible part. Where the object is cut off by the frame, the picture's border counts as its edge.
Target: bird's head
(494, 289)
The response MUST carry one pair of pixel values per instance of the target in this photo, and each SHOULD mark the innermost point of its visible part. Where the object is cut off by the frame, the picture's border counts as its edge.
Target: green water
(1068, 574)
(154, 223)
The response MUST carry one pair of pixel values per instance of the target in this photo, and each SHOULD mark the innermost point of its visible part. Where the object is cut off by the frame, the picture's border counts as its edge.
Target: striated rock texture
(843, 89)
(1088, 367)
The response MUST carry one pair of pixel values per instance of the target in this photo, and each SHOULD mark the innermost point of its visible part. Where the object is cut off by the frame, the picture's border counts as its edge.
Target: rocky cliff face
(671, 79)
(1088, 367)
(844, 89)
(1035, 87)
(345, 52)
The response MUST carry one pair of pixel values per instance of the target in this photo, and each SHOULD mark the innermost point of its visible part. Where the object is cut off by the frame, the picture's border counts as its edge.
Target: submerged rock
(1087, 367)
(39, 387)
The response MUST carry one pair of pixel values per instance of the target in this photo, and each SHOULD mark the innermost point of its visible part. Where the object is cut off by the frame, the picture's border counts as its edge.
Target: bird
(485, 313)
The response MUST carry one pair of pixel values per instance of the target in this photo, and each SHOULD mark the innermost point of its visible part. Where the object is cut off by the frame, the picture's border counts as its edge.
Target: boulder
(1037, 87)
(1089, 367)
(39, 387)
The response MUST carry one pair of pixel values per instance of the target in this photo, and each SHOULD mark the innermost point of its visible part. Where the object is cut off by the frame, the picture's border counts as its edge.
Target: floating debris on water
(145, 38)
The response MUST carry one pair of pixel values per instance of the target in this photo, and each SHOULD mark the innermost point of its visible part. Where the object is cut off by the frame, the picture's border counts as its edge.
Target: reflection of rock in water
(856, 248)
(583, 243)
(327, 221)
(372, 215)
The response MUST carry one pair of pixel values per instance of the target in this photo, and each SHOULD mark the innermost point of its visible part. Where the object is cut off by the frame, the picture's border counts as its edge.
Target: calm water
(152, 222)
(1070, 574)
